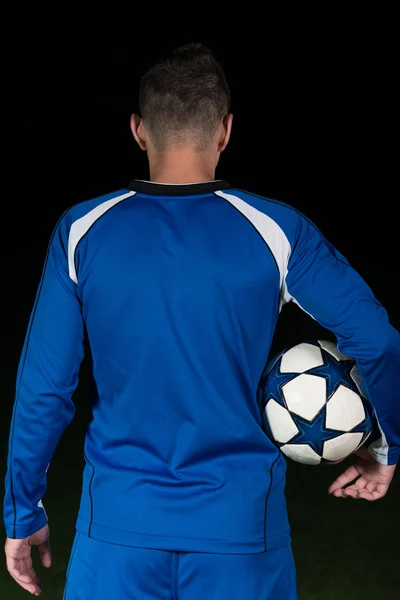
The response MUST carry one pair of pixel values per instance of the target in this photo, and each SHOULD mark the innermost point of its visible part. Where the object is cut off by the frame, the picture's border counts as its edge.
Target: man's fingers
(360, 484)
(372, 491)
(358, 487)
(29, 587)
(23, 578)
(364, 495)
(351, 492)
(31, 571)
(371, 496)
(45, 554)
(22, 571)
(348, 476)
(338, 493)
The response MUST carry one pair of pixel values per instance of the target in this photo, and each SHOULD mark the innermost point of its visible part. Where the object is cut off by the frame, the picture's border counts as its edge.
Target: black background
(316, 125)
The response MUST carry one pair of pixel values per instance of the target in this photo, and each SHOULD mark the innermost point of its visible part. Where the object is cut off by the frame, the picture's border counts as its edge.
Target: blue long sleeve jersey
(178, 290)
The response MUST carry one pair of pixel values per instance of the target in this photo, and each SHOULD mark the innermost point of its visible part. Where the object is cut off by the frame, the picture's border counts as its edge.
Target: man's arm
(323, 283)
(47, 378)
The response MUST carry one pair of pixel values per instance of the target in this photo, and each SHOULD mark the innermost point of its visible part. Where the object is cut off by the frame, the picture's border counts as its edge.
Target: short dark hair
(184, 98)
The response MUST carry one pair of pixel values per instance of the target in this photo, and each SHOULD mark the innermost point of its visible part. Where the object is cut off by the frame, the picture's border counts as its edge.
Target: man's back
(179, 295)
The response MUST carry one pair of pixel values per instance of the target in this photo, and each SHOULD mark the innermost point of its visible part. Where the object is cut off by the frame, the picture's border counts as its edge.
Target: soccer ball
(313, 404)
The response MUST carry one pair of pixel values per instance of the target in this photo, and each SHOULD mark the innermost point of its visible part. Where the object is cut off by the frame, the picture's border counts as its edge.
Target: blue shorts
(103, 571)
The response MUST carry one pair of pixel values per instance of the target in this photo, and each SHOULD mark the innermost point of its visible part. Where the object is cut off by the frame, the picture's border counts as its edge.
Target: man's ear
(138, 132)
(226, 132)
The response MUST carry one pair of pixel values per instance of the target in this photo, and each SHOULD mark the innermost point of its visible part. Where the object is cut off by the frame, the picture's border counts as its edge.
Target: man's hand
(19, 560)
(373, 479)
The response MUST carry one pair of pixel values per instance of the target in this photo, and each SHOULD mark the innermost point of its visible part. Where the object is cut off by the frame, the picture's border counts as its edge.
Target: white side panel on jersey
(301, 358)
(82, 225)
(332, 349)
(40, 505)
(380, 448)
(356, 377)
(273, 235)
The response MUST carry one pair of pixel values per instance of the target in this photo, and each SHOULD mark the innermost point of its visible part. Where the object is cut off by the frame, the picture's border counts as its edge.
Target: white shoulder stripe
(271, 232)
(82, 225)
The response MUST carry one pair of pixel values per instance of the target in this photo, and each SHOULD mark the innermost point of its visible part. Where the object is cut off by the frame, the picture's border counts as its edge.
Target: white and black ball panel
(303, 386)
(344, 410)
(341, 446)
(284, 427)
(301, 453)
(301, 358)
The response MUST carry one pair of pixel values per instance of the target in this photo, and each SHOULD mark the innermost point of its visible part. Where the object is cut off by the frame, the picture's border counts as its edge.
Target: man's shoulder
(96, 206)
(285, 216)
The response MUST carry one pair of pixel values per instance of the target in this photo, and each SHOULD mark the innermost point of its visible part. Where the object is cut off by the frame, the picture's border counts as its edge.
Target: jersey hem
(141, 540)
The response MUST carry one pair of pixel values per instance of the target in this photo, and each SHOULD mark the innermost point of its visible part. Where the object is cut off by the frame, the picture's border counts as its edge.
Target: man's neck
(180, 167)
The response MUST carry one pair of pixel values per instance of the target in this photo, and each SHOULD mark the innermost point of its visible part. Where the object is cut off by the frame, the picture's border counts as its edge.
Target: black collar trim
(186, 189)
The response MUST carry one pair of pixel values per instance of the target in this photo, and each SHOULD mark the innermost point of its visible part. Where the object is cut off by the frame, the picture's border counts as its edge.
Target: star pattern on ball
(311, 432)
(314, 433)
(336, 372)
(274, 378)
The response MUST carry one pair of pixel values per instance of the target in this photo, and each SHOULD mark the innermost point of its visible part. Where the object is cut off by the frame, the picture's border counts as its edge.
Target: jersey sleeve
(322, 282)
(46, 379)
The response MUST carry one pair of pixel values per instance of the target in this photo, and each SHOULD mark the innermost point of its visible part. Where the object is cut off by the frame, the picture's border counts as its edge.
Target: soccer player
(177, 284)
